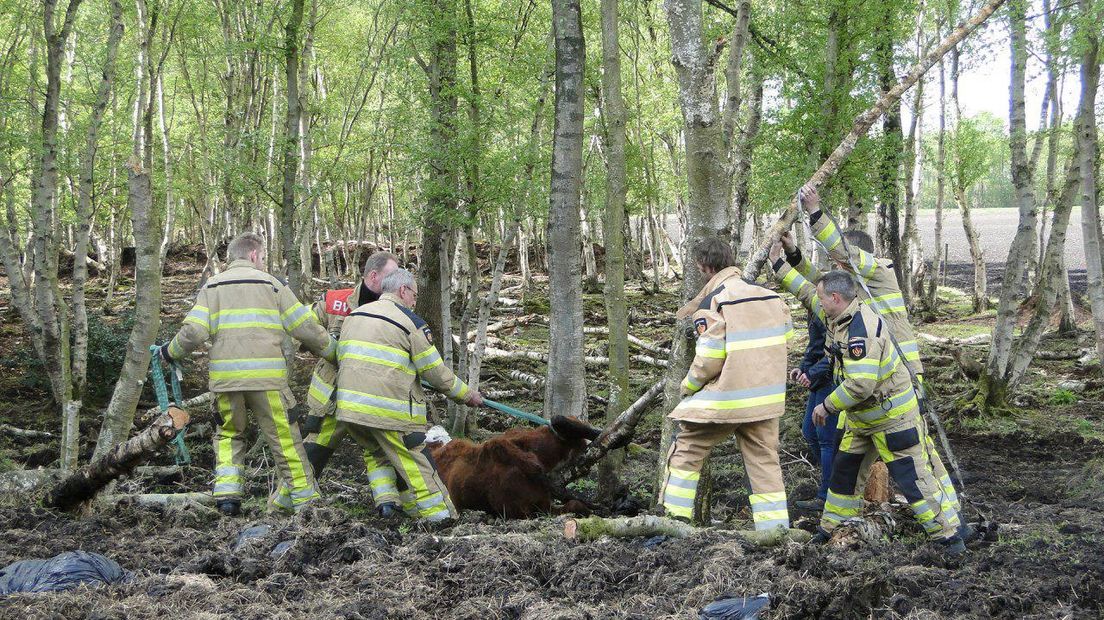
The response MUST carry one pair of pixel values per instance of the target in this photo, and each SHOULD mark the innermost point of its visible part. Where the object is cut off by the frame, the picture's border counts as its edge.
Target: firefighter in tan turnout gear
(883, 415)
(325, 432)
(245, 313)
(736, 386)
(384, 349)
(853, 251)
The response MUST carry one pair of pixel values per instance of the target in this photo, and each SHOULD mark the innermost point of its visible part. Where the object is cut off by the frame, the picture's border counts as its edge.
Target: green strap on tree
(181, 454)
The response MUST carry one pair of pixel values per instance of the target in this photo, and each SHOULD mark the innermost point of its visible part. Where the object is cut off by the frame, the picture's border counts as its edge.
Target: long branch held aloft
(862, 124)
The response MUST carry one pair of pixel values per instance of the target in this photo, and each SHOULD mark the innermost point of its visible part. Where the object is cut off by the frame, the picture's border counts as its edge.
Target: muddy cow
(505, 476)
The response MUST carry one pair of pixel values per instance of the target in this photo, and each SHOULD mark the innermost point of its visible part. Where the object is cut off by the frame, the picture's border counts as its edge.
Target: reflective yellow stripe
(287, 442)
(690, 384)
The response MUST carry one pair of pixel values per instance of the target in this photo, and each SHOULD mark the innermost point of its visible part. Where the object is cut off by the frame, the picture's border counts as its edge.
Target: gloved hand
(691, 334)
(163, 353)
(310, 425)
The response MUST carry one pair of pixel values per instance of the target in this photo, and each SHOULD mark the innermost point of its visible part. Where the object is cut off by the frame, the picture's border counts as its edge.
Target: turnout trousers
(758, 443)
(905, 448)
(269, 409)
(387, 453)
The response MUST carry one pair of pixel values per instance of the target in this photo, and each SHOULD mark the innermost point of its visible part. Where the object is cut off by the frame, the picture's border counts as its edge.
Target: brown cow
(505, 476)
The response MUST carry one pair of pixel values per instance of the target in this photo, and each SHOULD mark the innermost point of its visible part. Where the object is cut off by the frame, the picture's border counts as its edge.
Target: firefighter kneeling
(383, 351)
(883, 413)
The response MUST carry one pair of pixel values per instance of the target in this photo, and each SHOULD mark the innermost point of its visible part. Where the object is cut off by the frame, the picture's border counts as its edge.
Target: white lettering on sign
(339, 305)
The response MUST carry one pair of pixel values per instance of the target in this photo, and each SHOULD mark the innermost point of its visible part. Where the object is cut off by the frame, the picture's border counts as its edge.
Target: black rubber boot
(953, 546)
(820, 538)
(813, 505)
(389, 510)
(229, 507)
(967, 532)
(317, 456)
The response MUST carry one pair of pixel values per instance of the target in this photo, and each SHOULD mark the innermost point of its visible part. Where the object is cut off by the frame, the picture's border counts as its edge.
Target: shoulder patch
(700, 325)
(337, 302)
(418, 321)
(856, 348)
(707, 301)
(428, 333)
(857, 328)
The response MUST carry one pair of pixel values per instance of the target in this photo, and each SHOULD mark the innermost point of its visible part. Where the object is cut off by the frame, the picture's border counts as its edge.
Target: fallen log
(977, 339)
(160, 499)
(617, 434)
(862, 124)
(535, 382)
(89, 480)
(26, 480)
(491, 353)
(592, 528)
(22, 432)
(1062, 355)
(647, 346)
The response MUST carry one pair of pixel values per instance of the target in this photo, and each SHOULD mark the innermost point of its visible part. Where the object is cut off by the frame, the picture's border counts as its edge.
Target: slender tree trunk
(613, 226)
(288, 207)
(147, 230)
(940, 189)
(1090, 208)
(565, 392)
(889, 229)
(980, 294)
(1015, 266)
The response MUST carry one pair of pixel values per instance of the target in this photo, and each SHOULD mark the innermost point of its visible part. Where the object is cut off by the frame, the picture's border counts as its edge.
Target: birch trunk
(1021, 250)
(613, 226)
(980, 294)
(1090, 209)
(147, 230)
(565, 392)
(288, 221)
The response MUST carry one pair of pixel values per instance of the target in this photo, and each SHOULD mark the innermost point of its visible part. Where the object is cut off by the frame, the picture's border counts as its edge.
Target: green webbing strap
(181, 454)
(916, 384)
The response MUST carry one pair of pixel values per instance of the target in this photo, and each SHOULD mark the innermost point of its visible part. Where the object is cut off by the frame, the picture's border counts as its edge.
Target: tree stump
(86, 482)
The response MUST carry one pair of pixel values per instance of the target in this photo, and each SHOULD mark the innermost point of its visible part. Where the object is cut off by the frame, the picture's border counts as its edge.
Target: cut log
(592, 528)
(85, 483)
(877, 485)
(647, 346)
(1063, 355)
(21, 432)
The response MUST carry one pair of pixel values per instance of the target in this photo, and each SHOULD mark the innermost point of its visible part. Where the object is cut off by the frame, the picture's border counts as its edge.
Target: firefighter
(324, 432)
(385, 349)
(883, 414)
(735, 386)
(857, 257)
(245, 313)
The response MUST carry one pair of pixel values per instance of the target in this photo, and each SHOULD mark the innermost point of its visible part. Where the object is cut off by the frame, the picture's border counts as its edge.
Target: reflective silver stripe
(755, 334)
(768, 506)
(836, 500)
(292, 320)
(227, 488)
(866, 367)
(675, 481)
(436, 500)
(381, 473)
(283, 501)
(909, 346)
(224, 321)
(674, 500)
(437, 516)
(303, 493)
(427, 360)
(324, 388)
(711, 343)
(880, 410)
(770, 525)
(347, 348)
(228, 470)
(331, 349)
(768, 390)
(373, 401)
(263, 364)
(457, 388)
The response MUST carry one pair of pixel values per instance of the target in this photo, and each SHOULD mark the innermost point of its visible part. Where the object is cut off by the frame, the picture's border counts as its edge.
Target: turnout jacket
(878, 274)
(245, 313)
(739, 369)
(330, 310)
(384, 349)
(873, 387)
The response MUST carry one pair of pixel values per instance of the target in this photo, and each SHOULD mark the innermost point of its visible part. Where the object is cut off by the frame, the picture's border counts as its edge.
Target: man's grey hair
(397, 279)
(377, 261)
(839, 281)
(243, 245)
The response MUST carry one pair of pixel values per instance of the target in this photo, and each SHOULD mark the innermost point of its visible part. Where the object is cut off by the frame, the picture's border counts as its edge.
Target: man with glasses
(384, 353)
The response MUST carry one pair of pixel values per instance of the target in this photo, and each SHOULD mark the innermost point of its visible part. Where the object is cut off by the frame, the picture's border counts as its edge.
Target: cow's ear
(573, 428)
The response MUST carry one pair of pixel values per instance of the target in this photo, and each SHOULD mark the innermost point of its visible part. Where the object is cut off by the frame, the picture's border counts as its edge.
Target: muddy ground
(1035, 475)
